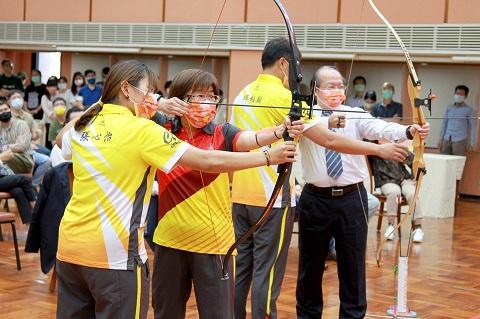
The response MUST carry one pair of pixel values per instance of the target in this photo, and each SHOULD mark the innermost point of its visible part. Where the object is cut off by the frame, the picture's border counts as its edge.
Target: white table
(438, 189)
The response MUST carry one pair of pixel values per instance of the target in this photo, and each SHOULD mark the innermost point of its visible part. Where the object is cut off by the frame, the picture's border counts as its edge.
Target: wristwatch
(407, 132)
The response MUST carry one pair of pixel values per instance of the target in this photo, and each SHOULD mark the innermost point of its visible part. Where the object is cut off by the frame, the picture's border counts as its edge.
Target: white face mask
(17, 103)
(458, 98)
(62, 86)
(78, 82)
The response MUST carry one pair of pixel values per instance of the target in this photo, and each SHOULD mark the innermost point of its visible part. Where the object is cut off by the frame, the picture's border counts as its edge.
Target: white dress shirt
(358, 126)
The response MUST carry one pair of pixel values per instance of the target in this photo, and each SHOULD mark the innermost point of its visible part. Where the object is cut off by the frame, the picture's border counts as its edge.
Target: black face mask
(5, 116)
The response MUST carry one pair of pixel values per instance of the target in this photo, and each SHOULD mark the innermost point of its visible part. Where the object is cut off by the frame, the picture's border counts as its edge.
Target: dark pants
(95, 293)
(454, 148)
(261, 259)
(321, 218)
(21, 189)
(174, 271)
(152, 221)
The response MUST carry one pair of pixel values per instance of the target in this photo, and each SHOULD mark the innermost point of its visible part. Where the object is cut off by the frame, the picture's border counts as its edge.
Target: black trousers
(173, 275)
(21, 189)
(322, 217)
(96, 293)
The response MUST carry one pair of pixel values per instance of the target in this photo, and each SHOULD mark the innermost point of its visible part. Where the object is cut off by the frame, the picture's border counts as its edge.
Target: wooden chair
(382, 198)
(5, 196)
(9, 218)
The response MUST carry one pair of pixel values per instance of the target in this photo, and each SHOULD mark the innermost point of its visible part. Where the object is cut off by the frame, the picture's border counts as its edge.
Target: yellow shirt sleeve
(160, 148)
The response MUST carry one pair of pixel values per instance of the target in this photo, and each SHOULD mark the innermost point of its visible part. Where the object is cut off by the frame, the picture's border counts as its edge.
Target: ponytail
(88, 116)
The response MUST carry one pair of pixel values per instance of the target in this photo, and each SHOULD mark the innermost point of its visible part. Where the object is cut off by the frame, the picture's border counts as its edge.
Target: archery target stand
(400, 310)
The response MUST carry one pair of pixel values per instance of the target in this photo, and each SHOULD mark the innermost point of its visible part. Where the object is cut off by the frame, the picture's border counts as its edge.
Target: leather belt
(335, 191)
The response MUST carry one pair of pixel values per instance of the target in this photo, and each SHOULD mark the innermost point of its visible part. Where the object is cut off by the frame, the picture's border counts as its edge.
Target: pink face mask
(333, 98)
(199, 115)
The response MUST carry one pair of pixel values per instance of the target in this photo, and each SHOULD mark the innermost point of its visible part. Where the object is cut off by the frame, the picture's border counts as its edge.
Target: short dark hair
(89, 71)
(275, 49)
(462, 87)
(359, 77)
(21, 75)
(370, 95)
(70, 111)
(52, 81)
(59, 98)
(64, 78)
(105, 70)
(6, 61)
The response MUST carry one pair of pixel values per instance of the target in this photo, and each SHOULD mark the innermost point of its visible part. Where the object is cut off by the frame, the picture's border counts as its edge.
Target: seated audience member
(19, 186)
(8, 80)
(15, 136)
(395, 180)
(59, 108)
(388, 108)
(41, 161)
(356, 99)
(91, 92)
(34, 93)
(370, 99)
(56, 155)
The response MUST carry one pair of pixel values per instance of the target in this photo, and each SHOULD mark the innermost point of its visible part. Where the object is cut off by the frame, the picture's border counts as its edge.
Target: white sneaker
(418, 235)
(389, 235)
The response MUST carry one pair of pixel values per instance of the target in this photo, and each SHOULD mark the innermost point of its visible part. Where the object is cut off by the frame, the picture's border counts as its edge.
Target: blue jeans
(42, 165)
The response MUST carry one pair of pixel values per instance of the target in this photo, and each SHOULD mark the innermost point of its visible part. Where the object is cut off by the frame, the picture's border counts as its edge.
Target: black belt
(335, 191)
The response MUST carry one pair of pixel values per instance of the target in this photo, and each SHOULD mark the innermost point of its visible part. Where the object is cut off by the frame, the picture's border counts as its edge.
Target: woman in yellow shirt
(102, 263)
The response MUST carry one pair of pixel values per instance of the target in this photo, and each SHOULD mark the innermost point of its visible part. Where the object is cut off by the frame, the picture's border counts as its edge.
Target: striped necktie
(333, 158)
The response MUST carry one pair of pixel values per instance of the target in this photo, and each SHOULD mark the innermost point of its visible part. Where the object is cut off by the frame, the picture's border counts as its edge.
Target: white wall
(96, 62)
(443, 79)
(49, 64)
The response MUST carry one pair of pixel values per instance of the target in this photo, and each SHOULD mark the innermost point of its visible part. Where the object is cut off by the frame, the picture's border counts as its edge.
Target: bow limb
(284, 170)
(414, 89)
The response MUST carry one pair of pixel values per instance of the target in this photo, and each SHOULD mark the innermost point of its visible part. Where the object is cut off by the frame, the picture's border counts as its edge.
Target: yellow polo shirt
(114, 163)
(254, 186)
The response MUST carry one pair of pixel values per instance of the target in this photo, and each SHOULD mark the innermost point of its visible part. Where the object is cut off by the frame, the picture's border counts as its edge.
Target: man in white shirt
(334, 202)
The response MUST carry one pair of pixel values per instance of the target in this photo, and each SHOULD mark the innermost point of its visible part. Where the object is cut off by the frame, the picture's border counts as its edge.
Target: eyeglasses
(144, 92)
(332, 88)
(203, 97)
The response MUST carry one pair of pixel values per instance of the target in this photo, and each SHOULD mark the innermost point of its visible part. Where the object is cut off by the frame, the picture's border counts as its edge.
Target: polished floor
(444, 275)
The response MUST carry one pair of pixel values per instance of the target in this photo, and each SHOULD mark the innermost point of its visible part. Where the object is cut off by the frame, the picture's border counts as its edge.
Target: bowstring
(219, 254)
(348, 83)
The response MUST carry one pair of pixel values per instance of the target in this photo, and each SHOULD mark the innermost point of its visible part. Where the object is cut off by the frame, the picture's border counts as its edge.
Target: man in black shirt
(388, 108)
(8, 81)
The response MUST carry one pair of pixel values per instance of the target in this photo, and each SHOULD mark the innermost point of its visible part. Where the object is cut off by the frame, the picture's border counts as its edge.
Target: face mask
(78, 82)
(5, 116)
(199, 115)
(458, 98)
(36, 79)
(62, 86)
(369, 106)
(359, 88)
(59, 110)
(332, 98)
(387, 94)
(17, 103)
(91, 81)
(147, 106)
